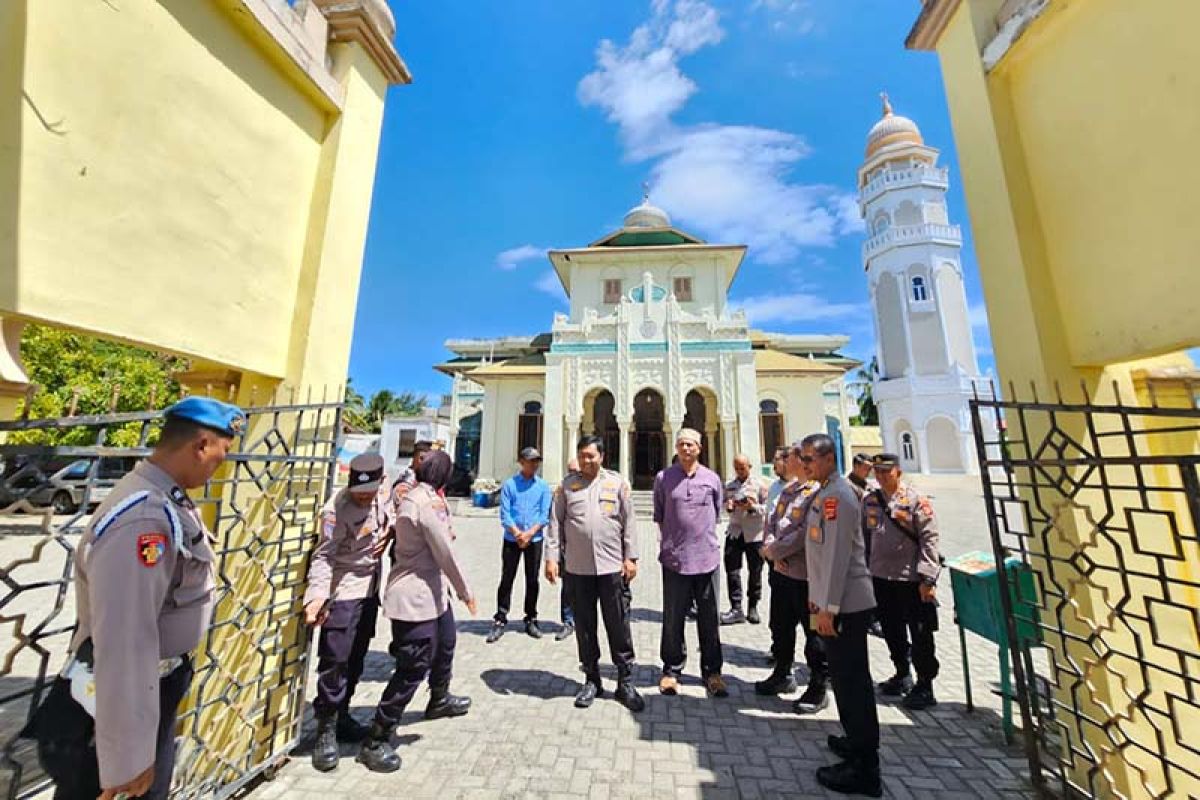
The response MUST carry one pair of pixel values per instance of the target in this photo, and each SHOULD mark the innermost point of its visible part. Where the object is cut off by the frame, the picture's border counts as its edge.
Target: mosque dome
(646, 216)
(891, 130)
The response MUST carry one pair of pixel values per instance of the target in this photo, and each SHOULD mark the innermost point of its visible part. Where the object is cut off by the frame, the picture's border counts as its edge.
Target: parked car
(64, 487)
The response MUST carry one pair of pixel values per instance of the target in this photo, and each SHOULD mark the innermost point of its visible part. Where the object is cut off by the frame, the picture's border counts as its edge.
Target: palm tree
(868, 414)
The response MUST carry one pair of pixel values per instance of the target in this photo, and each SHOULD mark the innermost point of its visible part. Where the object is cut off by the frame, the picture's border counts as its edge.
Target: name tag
(816, 533)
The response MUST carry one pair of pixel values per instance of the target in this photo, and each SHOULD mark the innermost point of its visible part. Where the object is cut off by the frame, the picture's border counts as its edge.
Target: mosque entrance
(649, 440)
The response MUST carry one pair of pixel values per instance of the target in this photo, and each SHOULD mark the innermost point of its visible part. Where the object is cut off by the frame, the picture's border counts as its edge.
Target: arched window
(529, 426)
(919, 291)
(907, 450)
(882, 223)
(770, 422)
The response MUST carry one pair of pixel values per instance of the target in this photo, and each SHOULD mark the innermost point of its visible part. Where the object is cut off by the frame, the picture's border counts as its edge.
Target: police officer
(408, 478)
(143, 584)
(592, 526)
(905, 565)
(841, 598)
(343, 598)
(417, 601)
(744, 499)
(790, 590)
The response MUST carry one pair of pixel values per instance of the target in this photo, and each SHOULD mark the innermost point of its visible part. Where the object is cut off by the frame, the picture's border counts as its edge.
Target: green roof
(647, 239)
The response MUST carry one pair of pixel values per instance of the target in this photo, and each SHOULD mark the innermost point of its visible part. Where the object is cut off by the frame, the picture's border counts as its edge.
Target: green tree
(83, 374)
(868, 414)
(355, 413)
(368, 415)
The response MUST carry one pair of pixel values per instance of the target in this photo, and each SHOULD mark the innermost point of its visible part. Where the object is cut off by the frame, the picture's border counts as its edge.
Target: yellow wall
(193, 195)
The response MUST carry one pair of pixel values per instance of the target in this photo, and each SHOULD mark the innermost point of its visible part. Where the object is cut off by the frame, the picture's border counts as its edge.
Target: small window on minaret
(919, 293)
(612, 291)
(683, 290)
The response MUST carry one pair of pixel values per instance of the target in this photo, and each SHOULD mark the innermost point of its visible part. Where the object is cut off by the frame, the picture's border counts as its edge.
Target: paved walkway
(524, 738)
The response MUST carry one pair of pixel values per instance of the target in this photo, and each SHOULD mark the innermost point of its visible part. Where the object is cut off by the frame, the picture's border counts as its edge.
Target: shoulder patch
(150, 548)
(120, 508)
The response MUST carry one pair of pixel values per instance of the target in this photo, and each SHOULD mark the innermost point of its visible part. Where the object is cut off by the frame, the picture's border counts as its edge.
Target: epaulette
(120, 508)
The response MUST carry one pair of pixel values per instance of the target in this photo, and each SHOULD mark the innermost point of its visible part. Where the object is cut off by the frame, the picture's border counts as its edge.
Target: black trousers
(81, 781)
(611, 594)
(735, 549)
(345, 639)
(850, 674)
(789, 609)
(421, 649)
(510, 556)
(566, 601)
(901, 614)
(679, 592)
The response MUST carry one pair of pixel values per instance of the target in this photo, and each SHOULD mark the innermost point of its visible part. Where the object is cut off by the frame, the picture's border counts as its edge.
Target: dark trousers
(610, 593)
(789, 609)
(850, 674)
(345, 639)
(567, 602)
(421, 649)
(82, 781)
(679, 592)
(510, 555)
(901, 614)
(735, 549)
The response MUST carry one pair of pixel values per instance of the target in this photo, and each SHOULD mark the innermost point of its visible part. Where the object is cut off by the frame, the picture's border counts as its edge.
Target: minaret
(927, 368)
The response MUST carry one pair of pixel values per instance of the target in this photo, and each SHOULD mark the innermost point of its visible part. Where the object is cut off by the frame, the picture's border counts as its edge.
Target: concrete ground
(524, 738)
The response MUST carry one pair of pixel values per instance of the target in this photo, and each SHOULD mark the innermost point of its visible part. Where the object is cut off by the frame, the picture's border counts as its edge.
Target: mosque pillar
(573, 437)
(727, 444)
(625, 426)
(710, 447)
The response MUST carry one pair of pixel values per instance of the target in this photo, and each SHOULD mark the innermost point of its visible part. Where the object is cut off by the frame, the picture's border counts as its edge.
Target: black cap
(530, 454)
(886, 460)
(862, 458)
(366, 472)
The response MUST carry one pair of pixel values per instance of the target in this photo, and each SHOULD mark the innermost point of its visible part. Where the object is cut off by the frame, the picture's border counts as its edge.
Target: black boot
(814, 699)
(896, 686)
(853, 776)
(377, 754)
(752, 615)
(325, 749)
(920, 697)
(443, 704)
(349, 729)
(629, 697)
(777, 683)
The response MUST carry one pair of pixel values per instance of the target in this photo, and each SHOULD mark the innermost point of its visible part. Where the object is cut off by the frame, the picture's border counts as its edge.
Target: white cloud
(513, 257)
(730, 183)
(788, 16)
(549, 283)
(797, 307)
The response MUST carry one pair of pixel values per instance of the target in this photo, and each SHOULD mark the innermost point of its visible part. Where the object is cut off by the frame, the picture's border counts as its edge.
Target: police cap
(886, 460)
(224, 418)
(366, 472)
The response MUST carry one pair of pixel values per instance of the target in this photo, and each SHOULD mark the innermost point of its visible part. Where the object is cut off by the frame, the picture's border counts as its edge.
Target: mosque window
(882, 223)
(612, 290)
(920, 293)
(683, 289)
(907, 451)
(770, 423)
(529, 426)
(408, 442)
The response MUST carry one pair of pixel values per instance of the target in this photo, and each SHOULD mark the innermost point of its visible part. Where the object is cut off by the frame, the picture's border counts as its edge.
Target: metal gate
(1101, 503)
(244, 711)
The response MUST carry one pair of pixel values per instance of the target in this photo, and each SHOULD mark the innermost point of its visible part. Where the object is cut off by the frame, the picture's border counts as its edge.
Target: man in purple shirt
(687, 503)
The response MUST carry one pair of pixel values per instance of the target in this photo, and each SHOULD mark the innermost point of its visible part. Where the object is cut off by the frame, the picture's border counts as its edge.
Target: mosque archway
(602, 421)
(650, 453)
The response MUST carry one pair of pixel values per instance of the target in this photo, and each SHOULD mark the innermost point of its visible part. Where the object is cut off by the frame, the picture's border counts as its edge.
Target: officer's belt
(79, 674)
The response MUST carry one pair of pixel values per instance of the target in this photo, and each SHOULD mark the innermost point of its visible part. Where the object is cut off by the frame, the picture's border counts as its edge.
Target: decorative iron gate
(1101, 503)
(244, 711)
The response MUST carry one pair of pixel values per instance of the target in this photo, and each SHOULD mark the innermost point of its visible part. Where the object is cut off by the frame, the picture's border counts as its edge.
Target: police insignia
(815, 533)
(830, 507)
(575, 486)
(150, 548)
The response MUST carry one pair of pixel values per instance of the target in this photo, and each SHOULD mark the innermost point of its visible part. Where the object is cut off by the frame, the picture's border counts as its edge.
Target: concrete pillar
(728, 448)
(574, 434)
(626, 428)
(710, 447)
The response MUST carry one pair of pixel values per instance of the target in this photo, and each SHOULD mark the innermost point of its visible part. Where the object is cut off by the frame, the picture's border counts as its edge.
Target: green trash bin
(979, 608)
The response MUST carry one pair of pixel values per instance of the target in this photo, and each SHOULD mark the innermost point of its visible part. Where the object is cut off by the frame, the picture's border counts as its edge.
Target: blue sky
(533, 124)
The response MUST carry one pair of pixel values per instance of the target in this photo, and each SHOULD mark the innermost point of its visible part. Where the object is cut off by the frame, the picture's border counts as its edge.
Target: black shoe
(565, 632)
(733, 616)
(752, 616)
(875, 629)
(920, 697)
(814, 700)
(349, 729)
(496, 632)
(851, 777)
(443, 704)
(376, 754)
(776, 683)
(896, 686)
(531, 627)
(325, 749)
(628, 696)
(840, 746)
(588, 694)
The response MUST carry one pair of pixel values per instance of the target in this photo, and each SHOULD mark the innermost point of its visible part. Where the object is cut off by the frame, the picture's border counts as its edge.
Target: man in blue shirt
(524, 515)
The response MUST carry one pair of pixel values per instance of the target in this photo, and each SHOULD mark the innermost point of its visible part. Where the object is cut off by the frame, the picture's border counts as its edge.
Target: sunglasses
(806, 459)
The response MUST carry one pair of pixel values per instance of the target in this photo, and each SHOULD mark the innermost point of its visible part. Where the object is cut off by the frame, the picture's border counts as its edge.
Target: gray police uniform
(905, 555)
(839, 583)
(144, 582)
(744, 537)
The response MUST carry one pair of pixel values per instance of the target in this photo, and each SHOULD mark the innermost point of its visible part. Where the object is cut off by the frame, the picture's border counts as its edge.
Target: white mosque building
(927, 367)
(648, 346)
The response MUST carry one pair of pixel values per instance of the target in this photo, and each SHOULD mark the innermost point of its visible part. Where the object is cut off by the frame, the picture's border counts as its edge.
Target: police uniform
(904, 555)
(785, 540)
(743, 539)
(592, 526)
(840, 584)
(143, 584)
(344, 573)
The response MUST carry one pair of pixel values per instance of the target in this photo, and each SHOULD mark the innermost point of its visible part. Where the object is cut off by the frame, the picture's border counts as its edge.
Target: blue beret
(213, 414)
